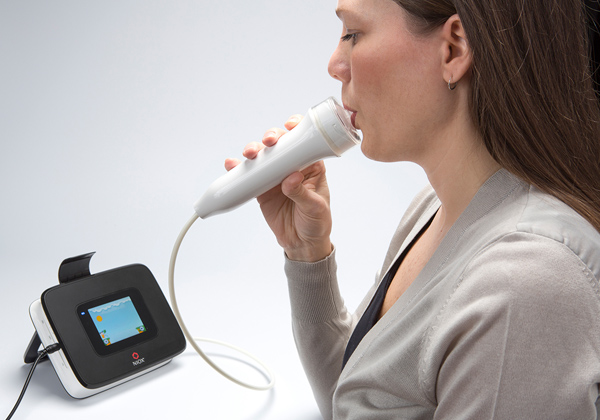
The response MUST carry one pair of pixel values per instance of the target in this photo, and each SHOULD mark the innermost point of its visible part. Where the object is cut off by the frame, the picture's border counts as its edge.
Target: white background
(115, 115)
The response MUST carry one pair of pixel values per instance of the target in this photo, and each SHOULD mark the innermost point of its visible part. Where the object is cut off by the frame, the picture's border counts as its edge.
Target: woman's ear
(456, 54)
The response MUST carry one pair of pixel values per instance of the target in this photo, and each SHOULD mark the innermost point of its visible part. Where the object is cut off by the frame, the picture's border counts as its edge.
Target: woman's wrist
(310, 253)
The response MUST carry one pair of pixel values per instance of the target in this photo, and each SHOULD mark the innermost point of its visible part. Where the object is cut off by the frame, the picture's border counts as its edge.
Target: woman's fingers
(270, 138)
(252, 149)
(293, 121)
(231, 163)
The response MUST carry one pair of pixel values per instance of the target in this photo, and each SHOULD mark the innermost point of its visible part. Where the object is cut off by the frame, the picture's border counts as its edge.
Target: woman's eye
(350, 37)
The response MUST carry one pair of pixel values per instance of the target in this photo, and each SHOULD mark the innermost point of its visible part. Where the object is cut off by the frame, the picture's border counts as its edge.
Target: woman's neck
(456, 171)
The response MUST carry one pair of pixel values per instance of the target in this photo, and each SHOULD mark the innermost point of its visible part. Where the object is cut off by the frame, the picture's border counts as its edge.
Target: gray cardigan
(502, 323)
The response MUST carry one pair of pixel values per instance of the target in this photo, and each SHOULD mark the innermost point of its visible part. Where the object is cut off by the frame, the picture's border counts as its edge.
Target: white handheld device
(326, 131)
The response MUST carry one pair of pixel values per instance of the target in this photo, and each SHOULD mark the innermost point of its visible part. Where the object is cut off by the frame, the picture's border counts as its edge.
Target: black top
(371, 314)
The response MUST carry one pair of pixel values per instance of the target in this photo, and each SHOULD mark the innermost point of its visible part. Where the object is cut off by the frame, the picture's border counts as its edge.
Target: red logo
(135, 356)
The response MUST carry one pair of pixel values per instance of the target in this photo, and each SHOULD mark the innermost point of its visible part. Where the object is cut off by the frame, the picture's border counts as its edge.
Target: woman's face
(391, 78)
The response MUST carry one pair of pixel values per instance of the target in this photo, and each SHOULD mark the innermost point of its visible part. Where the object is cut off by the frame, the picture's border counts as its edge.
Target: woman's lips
(353, 119)
(352, 116)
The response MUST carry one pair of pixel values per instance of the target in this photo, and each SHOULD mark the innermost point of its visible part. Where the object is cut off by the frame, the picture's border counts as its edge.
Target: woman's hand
(297, 210)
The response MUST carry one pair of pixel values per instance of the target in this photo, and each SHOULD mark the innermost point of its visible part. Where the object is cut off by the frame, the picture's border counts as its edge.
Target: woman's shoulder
(532, 245)
(547, 253)
(514, 221)
(547, 217)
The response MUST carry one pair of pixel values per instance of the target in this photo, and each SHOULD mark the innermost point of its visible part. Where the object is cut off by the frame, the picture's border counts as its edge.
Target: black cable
(48, 350)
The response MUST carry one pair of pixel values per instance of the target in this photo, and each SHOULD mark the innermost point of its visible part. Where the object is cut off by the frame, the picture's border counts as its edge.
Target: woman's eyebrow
(344, 13)
(341, 11)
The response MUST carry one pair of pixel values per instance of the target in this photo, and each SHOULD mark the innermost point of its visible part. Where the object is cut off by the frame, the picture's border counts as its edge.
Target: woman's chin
(369, 152)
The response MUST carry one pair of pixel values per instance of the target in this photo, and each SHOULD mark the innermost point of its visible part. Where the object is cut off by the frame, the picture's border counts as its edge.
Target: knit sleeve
(321, 325)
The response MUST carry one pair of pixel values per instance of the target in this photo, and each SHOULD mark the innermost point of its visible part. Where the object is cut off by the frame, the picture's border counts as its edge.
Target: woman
(487, 305)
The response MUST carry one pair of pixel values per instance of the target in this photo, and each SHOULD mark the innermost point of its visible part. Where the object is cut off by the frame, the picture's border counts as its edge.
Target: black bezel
(93, 370)
(92, 332)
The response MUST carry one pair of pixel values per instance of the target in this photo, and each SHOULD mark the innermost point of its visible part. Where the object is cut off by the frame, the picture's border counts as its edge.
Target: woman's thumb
(293, 188)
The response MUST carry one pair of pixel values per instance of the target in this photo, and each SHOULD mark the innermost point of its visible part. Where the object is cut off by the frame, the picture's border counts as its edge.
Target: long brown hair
(532, 94)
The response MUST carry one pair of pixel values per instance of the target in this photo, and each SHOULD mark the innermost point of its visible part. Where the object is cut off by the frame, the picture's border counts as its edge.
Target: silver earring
(450, 85)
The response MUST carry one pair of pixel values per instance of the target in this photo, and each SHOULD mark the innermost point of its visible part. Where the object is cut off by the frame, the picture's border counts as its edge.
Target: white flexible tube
(193, 340)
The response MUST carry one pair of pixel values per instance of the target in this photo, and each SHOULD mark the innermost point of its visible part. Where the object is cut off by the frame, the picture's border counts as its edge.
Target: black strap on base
(75, 268)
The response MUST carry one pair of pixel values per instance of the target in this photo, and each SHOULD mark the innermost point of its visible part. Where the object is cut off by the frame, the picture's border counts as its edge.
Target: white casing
(60, 363)
(326, 131)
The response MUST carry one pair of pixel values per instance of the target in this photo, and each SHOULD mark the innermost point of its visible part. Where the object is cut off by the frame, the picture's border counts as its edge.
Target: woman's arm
(321, 325)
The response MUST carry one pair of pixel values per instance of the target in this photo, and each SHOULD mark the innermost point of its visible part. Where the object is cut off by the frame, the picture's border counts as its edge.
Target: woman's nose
(339, 66)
